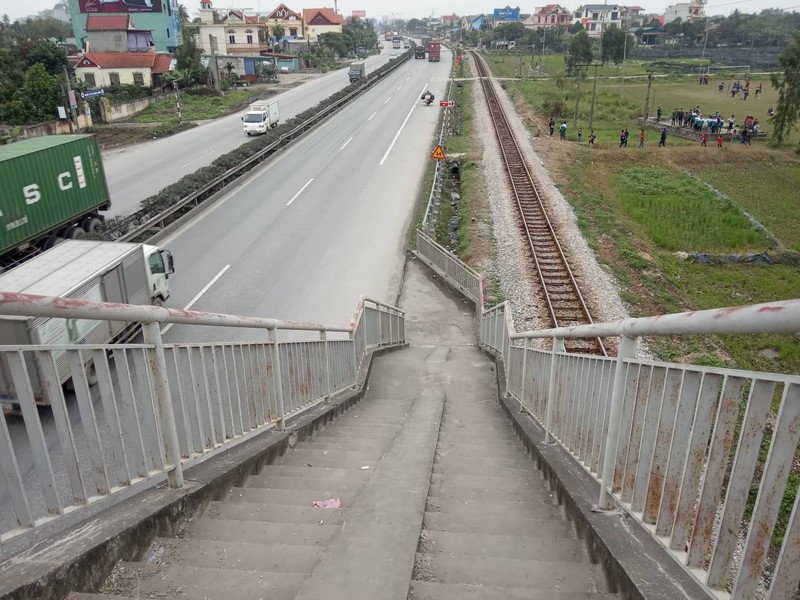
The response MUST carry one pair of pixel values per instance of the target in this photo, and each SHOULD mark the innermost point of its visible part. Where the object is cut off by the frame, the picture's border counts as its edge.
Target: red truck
(434, 51)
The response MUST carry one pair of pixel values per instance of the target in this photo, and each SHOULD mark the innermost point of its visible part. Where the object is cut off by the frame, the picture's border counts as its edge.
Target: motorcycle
(427, 99)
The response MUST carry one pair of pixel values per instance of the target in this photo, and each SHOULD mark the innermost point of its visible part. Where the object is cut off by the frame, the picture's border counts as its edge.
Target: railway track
(562, 294)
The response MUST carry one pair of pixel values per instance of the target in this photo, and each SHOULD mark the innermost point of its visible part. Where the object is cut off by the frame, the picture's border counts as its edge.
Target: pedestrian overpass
(421, 451)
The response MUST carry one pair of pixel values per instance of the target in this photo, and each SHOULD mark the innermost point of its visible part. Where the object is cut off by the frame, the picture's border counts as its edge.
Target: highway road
(137, 172)
(301, 238)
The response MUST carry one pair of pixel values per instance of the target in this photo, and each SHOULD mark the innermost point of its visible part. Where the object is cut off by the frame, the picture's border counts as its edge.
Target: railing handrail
(451, 256)
(15, 304)
(769, 317)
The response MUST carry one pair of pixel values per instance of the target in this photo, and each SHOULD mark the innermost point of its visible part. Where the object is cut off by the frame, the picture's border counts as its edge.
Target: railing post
(627, 349)
(525, 346)
(558, 346)
(353, 335)
(323, 336)
(157, 365)
(272, 337)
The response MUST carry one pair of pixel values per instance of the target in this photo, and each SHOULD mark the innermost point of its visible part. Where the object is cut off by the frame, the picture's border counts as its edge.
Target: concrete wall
(54, 128)
(114, 113)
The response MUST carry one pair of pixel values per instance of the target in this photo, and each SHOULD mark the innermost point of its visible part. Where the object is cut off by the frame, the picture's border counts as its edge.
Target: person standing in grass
(552, 126)
(592, 138)
(703, 140)
(580, 134)
(641, 139)
(663, 140)
(562, 130)
(719, 141)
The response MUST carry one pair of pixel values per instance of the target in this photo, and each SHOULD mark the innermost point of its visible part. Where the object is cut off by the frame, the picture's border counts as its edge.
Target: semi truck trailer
(54, 188)
(434, 51)
(89, 270)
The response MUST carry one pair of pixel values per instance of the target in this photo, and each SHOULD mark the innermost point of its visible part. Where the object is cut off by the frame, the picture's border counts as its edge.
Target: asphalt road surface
(137, 172)
(301, 238)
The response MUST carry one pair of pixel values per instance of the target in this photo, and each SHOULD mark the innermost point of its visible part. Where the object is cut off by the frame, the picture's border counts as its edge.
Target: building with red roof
(321, 20)
(116, 33)
(552, 15)
(102, 69)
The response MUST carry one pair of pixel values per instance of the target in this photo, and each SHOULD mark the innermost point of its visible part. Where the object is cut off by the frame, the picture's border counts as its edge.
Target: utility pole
(178, 100)
(212, 43)
(594, 94)
(624, 55)
(578, 94)
(647, 99)
(71, 102)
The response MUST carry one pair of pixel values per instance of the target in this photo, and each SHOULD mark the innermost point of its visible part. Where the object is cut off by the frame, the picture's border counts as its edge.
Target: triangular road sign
(438, 154)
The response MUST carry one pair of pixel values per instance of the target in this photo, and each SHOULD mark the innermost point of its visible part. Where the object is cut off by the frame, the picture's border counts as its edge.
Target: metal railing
(157, 407)
(449, 266)
(703, 457)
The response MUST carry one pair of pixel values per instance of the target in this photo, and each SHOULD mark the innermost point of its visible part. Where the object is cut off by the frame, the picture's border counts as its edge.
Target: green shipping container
(46, 183)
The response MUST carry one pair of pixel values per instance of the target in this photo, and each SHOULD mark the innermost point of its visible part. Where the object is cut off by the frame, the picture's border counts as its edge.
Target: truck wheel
(74, 232)
(90, 224)
(50, 242)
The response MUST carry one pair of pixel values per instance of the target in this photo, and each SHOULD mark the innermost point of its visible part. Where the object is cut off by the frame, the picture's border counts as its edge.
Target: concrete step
(374, 447)
(257, 532)
(468, 451)
(311, 453)
(451, 467)
(461, 439)
(349, 434)
(484, 465)
(197, 583)
(522, 481)
(285, 497)
(322, 460)
(274, 513)
(500, 526)
(504, 546)
(449, 491)
(357, 428)
(427, 590)
(323, 488)
(321, 473)
(468, 509)
(215, 554)
(551, 576)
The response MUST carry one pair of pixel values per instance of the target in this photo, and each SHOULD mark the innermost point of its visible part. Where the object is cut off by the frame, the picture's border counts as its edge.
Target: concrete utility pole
(594, 94)
(647, 99)
(70, 95)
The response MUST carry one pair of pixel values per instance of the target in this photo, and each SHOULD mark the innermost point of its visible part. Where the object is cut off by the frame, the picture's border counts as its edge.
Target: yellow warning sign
(438, 154)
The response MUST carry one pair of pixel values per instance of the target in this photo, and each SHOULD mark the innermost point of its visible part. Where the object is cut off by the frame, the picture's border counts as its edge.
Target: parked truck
(358, 70)
(90, 270)
(434, 51)
(54, 188)
(260, 117)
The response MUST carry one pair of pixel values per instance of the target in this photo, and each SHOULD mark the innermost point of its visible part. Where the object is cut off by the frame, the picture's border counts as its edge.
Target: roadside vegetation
(195, 107)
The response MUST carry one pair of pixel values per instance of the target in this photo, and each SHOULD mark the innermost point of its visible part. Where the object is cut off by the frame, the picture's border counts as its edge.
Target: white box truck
(89, 270)
(260, 117)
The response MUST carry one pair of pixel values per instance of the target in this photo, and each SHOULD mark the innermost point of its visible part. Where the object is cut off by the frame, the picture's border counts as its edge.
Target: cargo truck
(100, 271)
(419, 52)
(424, 41)
(53, 189)
(260, 117)
(358, 70)
(434, 51)
(396, 41)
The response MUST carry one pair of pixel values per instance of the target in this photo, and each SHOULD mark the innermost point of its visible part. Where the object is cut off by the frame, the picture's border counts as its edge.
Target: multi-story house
(685, 11)
(596, 18)
(552, 15)
(233, 32)
(290, 20)
(321, 20)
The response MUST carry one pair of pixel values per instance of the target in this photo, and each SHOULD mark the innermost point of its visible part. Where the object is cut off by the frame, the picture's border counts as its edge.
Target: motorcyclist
(428, 97)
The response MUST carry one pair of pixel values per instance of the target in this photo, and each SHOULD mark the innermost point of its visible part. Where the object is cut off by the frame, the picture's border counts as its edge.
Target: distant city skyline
(422, 8)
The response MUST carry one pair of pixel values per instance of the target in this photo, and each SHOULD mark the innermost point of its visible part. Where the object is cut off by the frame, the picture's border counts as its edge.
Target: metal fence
(703, 457)
(449, 266)
(135, 412)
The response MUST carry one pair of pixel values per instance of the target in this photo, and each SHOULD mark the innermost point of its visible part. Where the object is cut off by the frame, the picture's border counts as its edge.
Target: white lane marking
(373, 115)
(407, 78)
(399, 131)
(387, 100)
(196, 159)
(199, 295)
(345, 144)
(302, 189)
(398, 89)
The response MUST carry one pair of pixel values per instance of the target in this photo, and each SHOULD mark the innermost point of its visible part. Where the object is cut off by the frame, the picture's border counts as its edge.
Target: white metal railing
(701, 456)
(156, 407)
(449, 266)
(705, 458)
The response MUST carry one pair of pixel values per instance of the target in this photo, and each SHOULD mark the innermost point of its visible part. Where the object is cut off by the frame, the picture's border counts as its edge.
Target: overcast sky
(421, 8)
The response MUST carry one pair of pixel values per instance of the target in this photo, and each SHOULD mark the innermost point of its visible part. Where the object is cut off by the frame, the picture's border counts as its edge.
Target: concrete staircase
(439, 501)
(492, 529)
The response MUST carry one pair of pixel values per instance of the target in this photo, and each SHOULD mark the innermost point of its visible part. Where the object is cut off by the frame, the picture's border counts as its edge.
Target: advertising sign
(119, 6)
(506, 14)
(92, 93)
(361, 14)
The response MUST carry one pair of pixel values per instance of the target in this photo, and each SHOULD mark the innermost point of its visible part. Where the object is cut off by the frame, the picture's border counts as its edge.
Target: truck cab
(357, 71)
(260, 117)
(160, 266)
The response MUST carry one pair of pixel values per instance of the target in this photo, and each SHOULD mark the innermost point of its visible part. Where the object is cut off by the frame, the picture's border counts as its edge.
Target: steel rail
(561, 291)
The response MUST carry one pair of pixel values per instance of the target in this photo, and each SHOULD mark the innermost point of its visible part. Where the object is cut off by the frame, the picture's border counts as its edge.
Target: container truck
(396, 41)
(358, 70)
(424, 41)
(434, 51)
(388, 36)
(90, 270)
(419, 52)
(53, 188)
(260, 117)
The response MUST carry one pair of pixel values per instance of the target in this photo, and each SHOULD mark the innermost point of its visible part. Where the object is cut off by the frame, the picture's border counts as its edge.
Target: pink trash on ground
(330, 503)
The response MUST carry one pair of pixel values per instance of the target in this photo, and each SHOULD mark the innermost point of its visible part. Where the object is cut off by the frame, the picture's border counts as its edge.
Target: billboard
(361, 14)
(506, 14)
(119, 6)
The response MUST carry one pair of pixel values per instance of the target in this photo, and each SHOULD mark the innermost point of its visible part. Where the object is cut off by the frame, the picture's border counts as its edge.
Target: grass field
(194, 108)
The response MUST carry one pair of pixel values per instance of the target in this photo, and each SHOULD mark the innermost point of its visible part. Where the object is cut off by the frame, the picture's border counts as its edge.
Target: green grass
(679, 213)
(764, 192)
(194, 108)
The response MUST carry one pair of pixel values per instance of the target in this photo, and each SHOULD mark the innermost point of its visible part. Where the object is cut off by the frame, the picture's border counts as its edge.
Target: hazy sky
(423, 8)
